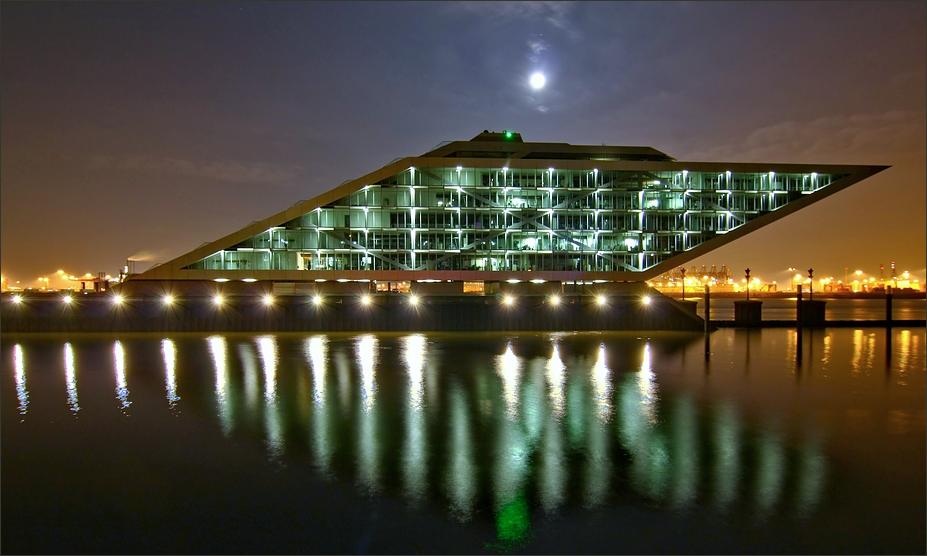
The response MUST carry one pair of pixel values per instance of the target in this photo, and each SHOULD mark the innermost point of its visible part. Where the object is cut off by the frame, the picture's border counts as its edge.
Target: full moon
(537, 80)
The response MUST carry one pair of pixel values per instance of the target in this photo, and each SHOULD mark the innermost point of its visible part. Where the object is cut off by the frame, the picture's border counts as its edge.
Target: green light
(508, 134)
(512, 522)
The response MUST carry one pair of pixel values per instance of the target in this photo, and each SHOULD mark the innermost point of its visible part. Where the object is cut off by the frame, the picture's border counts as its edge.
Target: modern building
(499, 210)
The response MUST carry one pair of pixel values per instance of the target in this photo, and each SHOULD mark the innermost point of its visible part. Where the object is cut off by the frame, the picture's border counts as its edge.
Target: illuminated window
(394, 287)
(474, 287)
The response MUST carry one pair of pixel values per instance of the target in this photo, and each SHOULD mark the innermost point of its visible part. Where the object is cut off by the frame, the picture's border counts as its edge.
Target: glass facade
(470, 218)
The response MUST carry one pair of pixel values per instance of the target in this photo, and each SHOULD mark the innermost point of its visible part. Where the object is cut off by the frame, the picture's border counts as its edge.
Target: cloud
(554, 13)
(537, 46)
(222, 171)
(864, 138)
(148, 255)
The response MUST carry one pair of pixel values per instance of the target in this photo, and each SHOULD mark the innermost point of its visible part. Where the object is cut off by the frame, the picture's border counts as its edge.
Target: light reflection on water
(218, 349)
(267, 346)
(170, 377)
(119, 362)
(368, 435)
(415, 454)
(545, 421)
(316, 350)
(70, 377)
(19, 367)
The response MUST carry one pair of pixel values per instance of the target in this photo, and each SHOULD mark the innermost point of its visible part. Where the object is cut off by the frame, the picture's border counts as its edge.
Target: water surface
(535, 442)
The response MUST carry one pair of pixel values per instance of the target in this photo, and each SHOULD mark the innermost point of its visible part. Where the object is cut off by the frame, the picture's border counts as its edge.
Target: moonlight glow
(538, 80)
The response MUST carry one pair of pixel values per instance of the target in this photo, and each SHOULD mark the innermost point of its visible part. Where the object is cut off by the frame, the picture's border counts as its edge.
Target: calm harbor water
(524, 443)
(835, 309)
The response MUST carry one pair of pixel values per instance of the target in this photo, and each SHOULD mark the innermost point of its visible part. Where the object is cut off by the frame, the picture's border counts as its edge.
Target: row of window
(479, 210)
(615, 179)
(434, 261)
(447, 197)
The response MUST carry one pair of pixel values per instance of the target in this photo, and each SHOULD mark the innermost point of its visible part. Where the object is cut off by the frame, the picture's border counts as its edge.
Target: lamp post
(748, 283)
(811, 284)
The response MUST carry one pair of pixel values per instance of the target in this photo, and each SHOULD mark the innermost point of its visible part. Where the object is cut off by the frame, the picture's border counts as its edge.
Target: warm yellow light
(555, 300)
(168, 299)
(317, 300)
(66, 299)
(17, 298)
(60, 272)
(365, 300)
(268, 299)
(218, 299)
(859, 272)
(600, 299)
(413, 300)
(117, 299)
(646, 300)
(508, 300)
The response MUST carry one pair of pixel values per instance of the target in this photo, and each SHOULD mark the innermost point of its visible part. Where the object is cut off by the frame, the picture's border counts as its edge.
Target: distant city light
(555, 300)
(646, 300)
(17, 298)
(218, 299)
(600, 299)
(168, 299)
(508, 300)
(365, 300)
(413, 300)
(268, 299)
(317, 300)
(117, 299)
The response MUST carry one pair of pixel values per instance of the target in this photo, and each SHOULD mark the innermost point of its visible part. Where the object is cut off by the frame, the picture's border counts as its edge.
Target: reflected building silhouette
(462, 470)
(684, 452)
(726, 435)
(770, 471)
(533, 423)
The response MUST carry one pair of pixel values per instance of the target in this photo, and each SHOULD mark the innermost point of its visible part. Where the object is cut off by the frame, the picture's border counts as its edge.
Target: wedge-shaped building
(497, 209)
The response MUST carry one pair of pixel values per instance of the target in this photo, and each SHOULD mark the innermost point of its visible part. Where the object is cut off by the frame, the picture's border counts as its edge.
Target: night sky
(146, 129)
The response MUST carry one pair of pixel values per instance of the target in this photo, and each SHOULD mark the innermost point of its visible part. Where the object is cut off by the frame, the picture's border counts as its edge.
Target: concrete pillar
(748, 313)
(812, 312)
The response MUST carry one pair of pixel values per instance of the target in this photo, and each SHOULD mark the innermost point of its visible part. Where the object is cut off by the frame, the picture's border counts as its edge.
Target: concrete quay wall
(385, 312)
